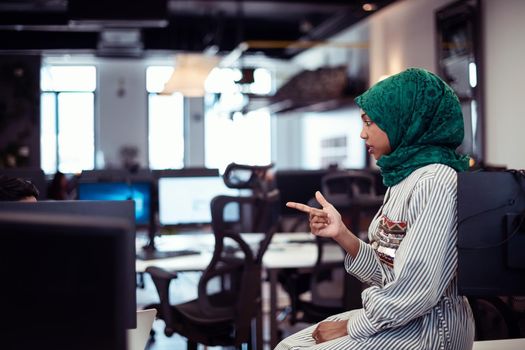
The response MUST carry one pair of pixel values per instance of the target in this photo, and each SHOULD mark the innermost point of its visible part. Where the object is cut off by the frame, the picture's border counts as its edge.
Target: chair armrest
(162, 279)
(158, 272)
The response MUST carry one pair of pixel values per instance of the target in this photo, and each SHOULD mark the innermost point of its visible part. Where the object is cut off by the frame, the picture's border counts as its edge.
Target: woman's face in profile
(376, 139)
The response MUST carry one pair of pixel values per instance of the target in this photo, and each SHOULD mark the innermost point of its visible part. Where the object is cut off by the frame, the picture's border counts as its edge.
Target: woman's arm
(327, 222)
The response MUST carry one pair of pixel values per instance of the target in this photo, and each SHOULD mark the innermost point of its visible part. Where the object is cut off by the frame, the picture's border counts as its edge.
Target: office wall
(403, 35)
(504, 53)
(122, 110)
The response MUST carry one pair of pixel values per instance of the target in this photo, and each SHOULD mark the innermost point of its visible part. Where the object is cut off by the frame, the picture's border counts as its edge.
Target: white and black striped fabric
(412, 301)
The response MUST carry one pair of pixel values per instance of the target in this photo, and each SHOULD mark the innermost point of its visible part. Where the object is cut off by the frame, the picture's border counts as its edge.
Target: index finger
(305, 208)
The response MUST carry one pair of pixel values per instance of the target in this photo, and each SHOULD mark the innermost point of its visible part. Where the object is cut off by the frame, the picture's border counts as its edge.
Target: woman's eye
(368, 122)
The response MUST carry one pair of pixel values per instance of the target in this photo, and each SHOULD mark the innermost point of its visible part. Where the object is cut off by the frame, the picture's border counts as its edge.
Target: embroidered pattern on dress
(387, 238)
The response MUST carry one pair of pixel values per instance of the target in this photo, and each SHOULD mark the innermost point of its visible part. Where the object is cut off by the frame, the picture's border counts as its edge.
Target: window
(243, 139)
(67, 118)
(333, 138)
(165, 121)
(232, 136)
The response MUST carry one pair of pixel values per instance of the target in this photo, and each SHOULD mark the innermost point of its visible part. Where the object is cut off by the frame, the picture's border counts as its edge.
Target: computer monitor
(297, 186)
(139, 192)
(491, 233)
(116, 175)
(123, 210)
(66, 281)
(185, 200)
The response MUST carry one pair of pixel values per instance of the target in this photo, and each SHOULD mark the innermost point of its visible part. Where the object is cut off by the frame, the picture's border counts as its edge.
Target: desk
(283, 252)
(502, 344)
(202, 242)
(198, 262)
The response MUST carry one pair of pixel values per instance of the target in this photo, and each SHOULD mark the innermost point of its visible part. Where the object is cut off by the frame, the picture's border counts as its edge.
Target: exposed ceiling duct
(176, 25)
(120, 42)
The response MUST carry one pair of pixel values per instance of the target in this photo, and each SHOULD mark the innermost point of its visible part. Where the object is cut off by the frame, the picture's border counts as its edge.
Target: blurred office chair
(332, 289)
(227, 311)
(353, 194)
(494, 318)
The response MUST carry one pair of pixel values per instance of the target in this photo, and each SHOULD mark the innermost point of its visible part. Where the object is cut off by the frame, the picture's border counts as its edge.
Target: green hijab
(422, 117)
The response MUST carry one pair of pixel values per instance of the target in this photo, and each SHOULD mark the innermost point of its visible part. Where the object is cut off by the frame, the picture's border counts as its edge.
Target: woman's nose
(363, 134)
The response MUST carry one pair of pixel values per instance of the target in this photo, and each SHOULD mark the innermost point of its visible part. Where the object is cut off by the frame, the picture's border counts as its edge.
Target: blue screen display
(140, 192)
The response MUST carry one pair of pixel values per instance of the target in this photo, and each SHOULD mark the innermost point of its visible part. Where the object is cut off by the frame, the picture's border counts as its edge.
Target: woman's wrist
(346, 239)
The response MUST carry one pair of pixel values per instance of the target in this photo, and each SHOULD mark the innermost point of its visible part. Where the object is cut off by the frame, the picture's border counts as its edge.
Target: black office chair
(227, 311)
(332, 289)
(494, 318)
(353, 194)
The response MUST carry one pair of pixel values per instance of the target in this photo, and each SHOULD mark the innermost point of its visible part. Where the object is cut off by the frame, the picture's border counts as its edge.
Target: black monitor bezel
(58, 227)
(124, 210)
(487, 202)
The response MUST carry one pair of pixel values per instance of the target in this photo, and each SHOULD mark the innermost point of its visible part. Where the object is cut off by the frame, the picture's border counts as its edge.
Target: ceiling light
(189, 74)
(368, 7)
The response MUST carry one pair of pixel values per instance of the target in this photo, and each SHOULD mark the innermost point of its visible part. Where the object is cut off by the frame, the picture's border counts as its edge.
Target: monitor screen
(297, 186)
(123, 210)
(186, 200)
(491, 233)
(68, 277)
(139, 192)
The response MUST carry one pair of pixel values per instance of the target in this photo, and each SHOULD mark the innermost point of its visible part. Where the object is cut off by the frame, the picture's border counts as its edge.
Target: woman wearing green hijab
(412, 125)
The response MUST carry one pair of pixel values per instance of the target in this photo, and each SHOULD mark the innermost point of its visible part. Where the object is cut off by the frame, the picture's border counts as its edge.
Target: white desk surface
(198, 262)
(503, 344)
(283, 252)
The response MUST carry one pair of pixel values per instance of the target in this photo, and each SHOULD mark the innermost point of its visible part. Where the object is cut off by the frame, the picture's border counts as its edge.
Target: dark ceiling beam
(183, 34)
(33, 18)
(193, 25)
(328, 28)
(34, 40)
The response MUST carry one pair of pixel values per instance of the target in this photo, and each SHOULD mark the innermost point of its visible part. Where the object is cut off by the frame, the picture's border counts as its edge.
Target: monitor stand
(150, 252)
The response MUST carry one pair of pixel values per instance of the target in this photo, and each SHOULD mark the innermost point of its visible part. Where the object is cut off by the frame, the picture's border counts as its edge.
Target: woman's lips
(370, 149)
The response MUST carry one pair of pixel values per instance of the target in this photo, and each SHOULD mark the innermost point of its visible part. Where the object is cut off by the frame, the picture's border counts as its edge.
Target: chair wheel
(168, 331)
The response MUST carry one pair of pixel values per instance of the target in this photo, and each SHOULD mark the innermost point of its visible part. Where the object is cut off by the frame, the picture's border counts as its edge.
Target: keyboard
(156, 254)
(301, 241)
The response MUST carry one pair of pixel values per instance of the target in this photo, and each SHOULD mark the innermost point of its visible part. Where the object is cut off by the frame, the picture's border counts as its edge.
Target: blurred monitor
(185, 200)
(68, 278)
(122, 210)
(116, 175)
(95, 175)
(491, 233)
(188, 171)
(297, 186)
(139, 192)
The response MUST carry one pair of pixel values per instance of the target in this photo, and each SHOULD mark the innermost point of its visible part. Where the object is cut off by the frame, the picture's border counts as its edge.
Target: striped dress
(410, 265)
